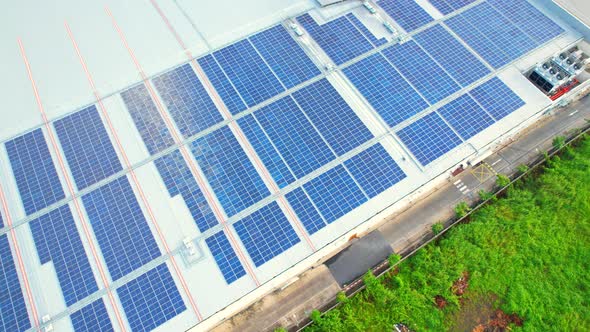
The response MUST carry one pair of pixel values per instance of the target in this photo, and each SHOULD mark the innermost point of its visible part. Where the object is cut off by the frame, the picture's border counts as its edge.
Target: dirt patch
(499, 322)
(481, 314)
(440, 301)
(460, 285)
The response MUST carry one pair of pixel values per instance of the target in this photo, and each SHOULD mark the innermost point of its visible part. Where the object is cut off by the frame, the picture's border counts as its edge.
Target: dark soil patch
(460, 286)
(481, 314)
(440, 301)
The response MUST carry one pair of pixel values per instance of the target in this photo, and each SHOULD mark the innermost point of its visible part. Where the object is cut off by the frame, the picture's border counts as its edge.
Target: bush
(462, 209)
(485, 195)
(502, 180)
(522, 168)
(437, 227)
(394, 259)
(558, 142)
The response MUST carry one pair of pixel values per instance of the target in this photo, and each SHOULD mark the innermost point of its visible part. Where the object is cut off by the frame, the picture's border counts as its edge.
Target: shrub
(559, 142)
(485, 195)
(437, 227)
(522, 168)
(394, 259)
(462, 209)
(502, 180)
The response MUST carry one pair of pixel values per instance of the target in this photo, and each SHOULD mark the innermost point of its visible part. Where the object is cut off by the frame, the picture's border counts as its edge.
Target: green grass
(527, 253)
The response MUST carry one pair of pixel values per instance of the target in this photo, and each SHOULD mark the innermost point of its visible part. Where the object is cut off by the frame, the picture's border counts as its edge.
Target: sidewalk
(289, 306)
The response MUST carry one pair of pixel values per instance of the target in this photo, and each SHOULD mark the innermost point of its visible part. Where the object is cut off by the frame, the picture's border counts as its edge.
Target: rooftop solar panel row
(223, 86)
(419, 68)
(266, 233)
(231, 175)
(365, 31)
(179, 179)
(305, 210)
(448, 6)
(187, 100)
(93, 317)
(121, 229)
(406, 13)
(429, 138)
(265, 150)
(36, 177)
(13, 309)
(57, 240)
(225, 257)
(151, 299)
(460, 63)
(152, 128)
(385, 89)
(497, 98)
(87, 147)
(284, 56)
(339, 38)
(332, 116)
(466, 116)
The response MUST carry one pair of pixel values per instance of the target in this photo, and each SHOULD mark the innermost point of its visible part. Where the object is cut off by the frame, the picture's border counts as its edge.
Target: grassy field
(522, 262)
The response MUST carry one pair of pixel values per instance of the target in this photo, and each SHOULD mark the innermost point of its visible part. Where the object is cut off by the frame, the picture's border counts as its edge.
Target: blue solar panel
(332, 116)
(529, 19)
(57, 240)
(93, 317)
(375, 170)
(497, 98)
(229, 171)
(306, 212)
(120, 227)
(13, 310)
(368, 34)
(87, 147)
(495, 29)
(1, 221)
(187, 100)
(335, 193)
(248, 72)
(385, 89)
(266, 233)
(338, 38)
(226, 257)
(452, 55)
(266, 151)
(294, 136)
(449, 6)
(178, 179)
(151, 300)
(406, 12)
(34, 171)
(479, 42)
(466, 116)
(286, 58)
(147, 119)
(429, 138)
(222, 85)
(419, 68)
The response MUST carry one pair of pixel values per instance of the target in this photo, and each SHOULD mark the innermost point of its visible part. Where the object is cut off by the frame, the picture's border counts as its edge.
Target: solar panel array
(311, 141)
(34, 171)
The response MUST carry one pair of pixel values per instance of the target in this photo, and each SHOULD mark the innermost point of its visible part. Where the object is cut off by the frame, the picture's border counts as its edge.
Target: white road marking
(574, 112)
(457, 182)
(497, 161)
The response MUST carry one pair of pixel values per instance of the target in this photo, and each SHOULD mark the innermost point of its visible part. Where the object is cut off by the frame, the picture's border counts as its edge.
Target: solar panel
(429, 138)
(497, 98)
(385, 89)
(93, 317)
(225, 257)
(365, 31)
(466, 116)
(57, 240)
(284, 56)
(460, 63)
(151, 299)
(449, 6)
(490, 52)
(87, 147)
(529, 19)
(266, 151)
(147, 119)
(406, 12)
(178, 179)
(248, 72)
(223, 86)
(306, 212)
(120, 227)
(419, 68)
(266, 233)
(1, 221)
(338, 38)
(13, 310)
(34, 171)
(187, 100)
(294, 136)
(335, 193)
(231, 175)
(332, 116)
(374, 170)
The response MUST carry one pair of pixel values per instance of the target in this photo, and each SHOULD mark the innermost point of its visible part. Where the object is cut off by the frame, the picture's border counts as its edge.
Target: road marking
(462, 187)
(497, 161)
(457, 182)
(574, 112)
